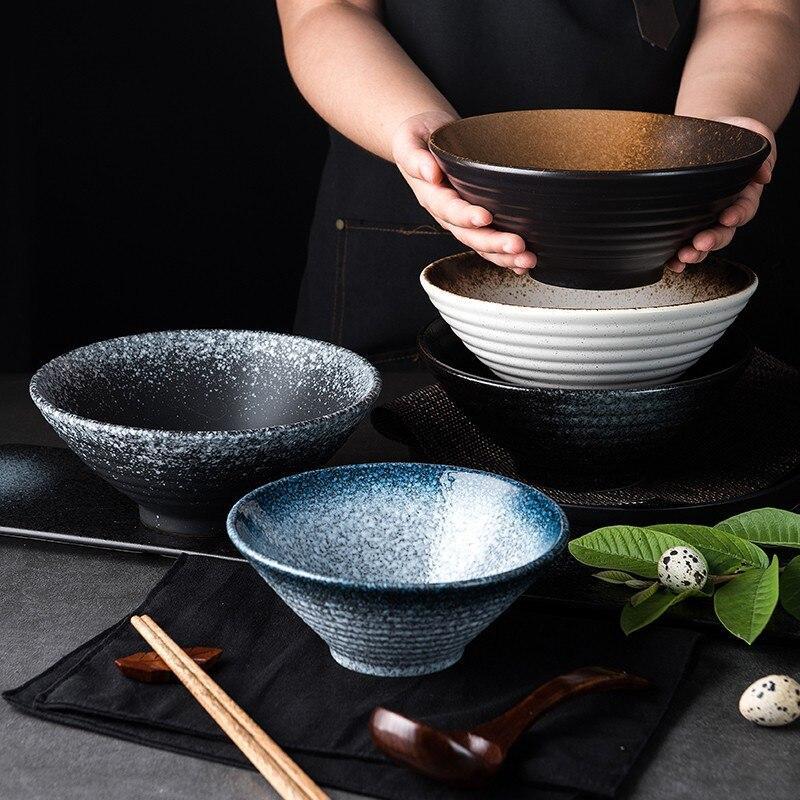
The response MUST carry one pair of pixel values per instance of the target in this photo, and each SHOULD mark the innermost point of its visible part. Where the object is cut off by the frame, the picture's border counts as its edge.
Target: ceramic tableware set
(398, 566)
(597, 361)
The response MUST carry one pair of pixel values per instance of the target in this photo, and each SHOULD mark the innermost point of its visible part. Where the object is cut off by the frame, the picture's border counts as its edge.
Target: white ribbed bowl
(533, 334)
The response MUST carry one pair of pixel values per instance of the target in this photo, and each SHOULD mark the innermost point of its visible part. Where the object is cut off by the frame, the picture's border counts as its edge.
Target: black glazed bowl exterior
(604, 198)
(186, 422)
(583, 437)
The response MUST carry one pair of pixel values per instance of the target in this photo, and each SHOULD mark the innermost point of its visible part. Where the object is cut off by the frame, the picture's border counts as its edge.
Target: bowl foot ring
(395, 670)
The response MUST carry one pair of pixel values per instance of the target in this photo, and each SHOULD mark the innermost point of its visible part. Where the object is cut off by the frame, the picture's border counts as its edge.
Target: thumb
(411, 154)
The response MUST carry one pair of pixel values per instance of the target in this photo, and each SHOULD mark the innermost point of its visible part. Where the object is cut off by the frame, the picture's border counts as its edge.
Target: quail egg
(772, 701)
(682, 568)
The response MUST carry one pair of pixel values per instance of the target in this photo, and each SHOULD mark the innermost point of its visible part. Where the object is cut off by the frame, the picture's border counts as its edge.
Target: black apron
(370, 238)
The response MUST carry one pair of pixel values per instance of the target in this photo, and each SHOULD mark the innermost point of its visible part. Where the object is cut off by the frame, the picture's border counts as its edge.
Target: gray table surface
(55, 597)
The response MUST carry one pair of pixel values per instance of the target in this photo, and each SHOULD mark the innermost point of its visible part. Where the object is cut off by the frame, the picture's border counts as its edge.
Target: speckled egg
(681, 569)
(772, 701)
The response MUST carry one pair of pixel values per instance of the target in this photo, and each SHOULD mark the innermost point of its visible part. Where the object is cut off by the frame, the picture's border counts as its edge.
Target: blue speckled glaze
(397, 566)
(184, 422)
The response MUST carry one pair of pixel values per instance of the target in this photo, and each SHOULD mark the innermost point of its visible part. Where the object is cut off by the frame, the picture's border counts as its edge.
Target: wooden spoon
(470, 758)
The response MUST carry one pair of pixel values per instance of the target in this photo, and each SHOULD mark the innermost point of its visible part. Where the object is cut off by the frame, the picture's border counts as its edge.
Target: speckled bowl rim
(756, 157)
(404, 587)
(543, 312)
(553, 391)
(73, 419)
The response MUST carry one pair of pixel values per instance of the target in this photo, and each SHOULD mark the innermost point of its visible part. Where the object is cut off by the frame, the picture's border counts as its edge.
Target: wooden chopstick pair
(264, 754)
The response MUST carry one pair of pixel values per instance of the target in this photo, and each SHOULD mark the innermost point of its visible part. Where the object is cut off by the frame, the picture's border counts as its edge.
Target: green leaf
(613, 576)
(766, 526)
(640, 597)
(635, 617)
(623, 547)
(620, 578)
(724, 551)
(745, 604)
(790, 587)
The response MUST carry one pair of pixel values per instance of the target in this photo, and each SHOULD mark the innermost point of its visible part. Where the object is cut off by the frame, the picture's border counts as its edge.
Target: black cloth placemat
(750, 444)
(282, 674)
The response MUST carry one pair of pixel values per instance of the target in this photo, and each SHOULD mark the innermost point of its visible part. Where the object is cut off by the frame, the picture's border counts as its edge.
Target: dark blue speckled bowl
(397, 566)
(184, 422)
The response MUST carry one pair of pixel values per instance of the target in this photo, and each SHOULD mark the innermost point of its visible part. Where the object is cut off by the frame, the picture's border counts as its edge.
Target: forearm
(352, 72)
(744, 61)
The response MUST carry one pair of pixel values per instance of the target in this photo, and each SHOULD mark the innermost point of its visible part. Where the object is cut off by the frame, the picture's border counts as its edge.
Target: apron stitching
(341, 286)
(421, 230)
(337, 284)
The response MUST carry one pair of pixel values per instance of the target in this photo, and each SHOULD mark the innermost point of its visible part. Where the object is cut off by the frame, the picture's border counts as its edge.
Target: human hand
(468, 223)
(739, 213)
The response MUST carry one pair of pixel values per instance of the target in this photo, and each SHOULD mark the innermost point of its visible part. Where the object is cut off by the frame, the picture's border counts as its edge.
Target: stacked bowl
(599, 359)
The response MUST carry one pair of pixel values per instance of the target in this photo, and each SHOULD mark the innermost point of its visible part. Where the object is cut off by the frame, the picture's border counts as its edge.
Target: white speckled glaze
(184, 422)
(533, 334)
(397, 566)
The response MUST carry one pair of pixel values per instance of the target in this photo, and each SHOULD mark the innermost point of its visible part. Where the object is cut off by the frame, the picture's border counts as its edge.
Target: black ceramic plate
(604, 198)
(583, 437)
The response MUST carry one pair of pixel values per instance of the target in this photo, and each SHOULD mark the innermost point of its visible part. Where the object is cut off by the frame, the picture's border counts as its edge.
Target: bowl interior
(468, 275)
(396, 524)
(595, 140)
(205, 380)
(445, 353)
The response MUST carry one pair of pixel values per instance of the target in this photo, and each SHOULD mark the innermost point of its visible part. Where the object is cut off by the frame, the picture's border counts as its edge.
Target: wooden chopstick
(264, 754)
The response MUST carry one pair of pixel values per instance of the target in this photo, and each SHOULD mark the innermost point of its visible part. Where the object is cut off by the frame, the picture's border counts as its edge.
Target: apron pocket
(379, 306)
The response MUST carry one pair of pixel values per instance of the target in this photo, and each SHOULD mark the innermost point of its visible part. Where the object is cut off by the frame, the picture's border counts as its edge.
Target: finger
(714, 238)
(690, 255)
(508, 261)
(764, 174)
(489, 240)
(676, 265)
(416, 161)
(446, 205)
(744, 208)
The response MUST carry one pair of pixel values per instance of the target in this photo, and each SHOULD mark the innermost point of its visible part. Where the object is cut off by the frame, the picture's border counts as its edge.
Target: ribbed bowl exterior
(607, 233)
(395, 633)
(397, 567)
(583, 437)
(576, 348)
(610, 227)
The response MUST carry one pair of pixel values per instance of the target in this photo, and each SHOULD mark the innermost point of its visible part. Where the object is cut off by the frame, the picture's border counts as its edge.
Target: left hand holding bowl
(740, 213)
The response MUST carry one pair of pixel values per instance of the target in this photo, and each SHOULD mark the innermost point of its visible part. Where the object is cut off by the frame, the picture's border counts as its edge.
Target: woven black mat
(751, 445)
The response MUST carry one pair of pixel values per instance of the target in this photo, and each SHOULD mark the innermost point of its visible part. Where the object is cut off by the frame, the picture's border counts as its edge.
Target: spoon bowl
(469, 758)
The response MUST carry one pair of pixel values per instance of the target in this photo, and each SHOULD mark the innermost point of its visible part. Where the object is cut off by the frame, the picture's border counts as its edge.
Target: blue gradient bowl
(397, 566)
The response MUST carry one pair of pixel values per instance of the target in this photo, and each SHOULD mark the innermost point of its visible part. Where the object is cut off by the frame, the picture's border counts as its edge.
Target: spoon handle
(509, 726)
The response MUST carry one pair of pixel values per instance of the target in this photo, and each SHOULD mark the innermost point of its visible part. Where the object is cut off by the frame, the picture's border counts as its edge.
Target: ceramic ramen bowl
(397, 566)
(585, 437)
(604, 198)
(533, 334)
(185, 422)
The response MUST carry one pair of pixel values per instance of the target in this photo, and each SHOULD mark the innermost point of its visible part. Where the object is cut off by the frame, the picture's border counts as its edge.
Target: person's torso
(370, 237)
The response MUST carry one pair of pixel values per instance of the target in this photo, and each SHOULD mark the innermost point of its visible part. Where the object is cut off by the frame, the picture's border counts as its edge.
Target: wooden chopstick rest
(267, 757)
(147, 666)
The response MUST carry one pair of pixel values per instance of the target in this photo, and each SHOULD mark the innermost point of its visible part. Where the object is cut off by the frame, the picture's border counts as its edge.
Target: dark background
(160, 169)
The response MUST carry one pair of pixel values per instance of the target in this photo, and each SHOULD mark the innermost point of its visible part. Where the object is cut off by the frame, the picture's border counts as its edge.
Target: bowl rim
(756, 156)
(405, 587)
(433, 290)
(437, 365)
(49, 409)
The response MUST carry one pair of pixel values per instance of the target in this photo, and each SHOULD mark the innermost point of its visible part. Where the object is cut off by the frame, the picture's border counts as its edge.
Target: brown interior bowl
(604, 198)
(591, 140)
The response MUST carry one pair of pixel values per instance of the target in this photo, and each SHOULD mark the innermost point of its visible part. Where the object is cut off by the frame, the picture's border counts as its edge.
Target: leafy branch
(725, 562)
